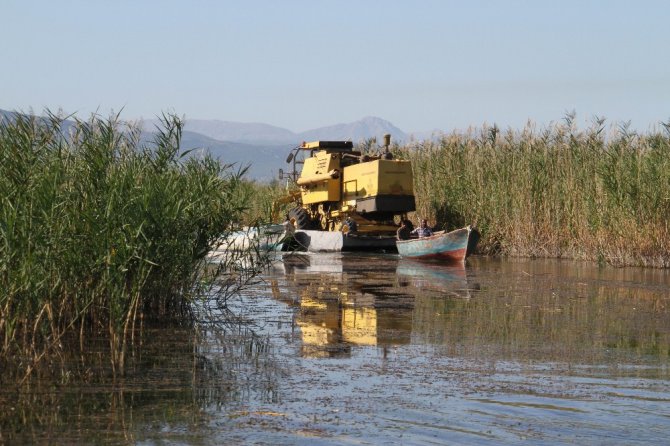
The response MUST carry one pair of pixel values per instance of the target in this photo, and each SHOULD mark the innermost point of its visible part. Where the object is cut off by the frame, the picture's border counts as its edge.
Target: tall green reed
(267, 202)
(99, 231)
(558, 191)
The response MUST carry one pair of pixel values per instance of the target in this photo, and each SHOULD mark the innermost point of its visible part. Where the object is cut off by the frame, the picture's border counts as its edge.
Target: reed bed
(100, 233)
(267, 202)
(596, 194)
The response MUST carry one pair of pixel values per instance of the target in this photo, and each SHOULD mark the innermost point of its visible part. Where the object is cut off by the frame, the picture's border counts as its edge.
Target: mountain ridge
(259, 146)
(261, 133)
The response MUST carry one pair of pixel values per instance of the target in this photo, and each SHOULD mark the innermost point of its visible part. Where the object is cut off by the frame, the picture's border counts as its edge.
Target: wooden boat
(449, 246)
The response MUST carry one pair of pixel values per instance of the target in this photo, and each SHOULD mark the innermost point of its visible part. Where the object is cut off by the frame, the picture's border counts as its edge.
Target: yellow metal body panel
(311, 145)
(378, 177)
(326, 190)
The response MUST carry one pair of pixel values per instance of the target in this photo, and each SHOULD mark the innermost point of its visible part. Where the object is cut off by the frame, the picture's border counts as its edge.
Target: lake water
(372, 349)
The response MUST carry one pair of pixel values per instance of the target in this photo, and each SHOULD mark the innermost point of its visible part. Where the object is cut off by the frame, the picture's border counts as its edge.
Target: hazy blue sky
(420, 64)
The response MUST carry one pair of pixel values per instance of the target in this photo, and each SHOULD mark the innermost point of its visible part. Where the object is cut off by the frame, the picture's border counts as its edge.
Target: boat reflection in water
(433, 278)
(347, 300)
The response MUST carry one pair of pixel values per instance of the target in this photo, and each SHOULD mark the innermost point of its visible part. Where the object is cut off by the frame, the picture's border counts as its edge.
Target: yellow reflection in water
(570, 312)
(359, 326)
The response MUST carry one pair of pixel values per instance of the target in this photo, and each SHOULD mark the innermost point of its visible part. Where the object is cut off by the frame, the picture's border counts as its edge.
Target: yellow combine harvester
(338, 185)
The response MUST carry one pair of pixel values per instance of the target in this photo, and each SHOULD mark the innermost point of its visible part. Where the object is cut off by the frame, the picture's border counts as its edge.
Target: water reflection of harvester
(346, 301)
(337, 313)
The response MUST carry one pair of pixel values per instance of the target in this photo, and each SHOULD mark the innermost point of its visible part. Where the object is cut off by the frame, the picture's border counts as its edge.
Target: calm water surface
(372, 349)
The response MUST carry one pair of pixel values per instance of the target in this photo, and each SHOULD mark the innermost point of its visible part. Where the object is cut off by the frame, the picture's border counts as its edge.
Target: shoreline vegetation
(102, 235)
(108, 303)
(556, 192)
(600, 194)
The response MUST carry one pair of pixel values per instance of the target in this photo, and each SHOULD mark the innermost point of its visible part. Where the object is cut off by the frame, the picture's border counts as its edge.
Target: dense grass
(599, 194)
(99, 232)
(595, 194)
(267, 202)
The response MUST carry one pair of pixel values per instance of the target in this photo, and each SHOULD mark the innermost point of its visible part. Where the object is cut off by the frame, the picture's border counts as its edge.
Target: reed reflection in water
(362, 348)
(498, 352)
(499, 309)
(173, 380)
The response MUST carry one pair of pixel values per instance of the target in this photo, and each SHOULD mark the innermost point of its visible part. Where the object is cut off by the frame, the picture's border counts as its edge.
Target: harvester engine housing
(336, 182)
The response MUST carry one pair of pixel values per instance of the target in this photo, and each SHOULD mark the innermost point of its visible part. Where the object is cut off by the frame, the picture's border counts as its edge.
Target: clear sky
(302, 64)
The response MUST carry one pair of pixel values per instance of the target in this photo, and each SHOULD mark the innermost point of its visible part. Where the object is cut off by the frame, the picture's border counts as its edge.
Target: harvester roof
(332, 146)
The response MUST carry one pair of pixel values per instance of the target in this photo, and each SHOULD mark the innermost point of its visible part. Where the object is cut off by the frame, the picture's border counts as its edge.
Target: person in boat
(423, 230)
(405, 230)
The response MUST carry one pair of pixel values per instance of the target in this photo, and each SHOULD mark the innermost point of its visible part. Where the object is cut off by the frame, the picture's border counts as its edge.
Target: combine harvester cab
(341, 191)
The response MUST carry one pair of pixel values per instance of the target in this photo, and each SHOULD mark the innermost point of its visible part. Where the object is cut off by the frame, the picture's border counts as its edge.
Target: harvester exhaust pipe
(387, 143)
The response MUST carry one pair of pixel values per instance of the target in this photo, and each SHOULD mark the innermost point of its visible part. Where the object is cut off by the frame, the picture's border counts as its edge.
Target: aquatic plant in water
(101, 232)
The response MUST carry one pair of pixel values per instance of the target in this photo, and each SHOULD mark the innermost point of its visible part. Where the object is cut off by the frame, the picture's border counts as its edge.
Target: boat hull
(447, 246)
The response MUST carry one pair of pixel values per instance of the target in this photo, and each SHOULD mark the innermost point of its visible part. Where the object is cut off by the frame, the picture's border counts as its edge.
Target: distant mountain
(7, 115)
(263, 147)
(253, 133)
(10, 116)
(264, 161)
(258, 134)
(369, 127)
